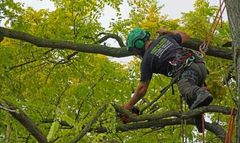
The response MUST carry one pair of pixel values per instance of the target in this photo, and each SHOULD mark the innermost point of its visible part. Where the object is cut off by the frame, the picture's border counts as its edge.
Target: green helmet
(136, 39)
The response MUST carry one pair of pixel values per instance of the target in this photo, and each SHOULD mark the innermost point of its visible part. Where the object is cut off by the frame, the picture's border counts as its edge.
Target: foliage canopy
(54, 86)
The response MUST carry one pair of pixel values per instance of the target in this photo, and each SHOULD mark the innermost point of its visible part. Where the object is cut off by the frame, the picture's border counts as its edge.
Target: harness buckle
(173, 62)
(190, 60)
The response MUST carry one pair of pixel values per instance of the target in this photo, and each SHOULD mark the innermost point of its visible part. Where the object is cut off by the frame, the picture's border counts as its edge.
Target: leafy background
(47, 85)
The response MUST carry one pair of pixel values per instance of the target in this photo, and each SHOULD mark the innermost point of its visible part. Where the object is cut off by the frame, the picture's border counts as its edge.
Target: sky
(172, 8)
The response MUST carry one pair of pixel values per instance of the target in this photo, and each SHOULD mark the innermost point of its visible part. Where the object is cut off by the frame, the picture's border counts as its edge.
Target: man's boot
(204, 98)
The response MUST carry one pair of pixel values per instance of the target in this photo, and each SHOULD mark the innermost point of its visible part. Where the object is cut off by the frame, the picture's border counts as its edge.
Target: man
(165, 56)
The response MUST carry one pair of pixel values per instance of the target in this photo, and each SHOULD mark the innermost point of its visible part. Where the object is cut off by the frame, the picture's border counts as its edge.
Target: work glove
(135, 110)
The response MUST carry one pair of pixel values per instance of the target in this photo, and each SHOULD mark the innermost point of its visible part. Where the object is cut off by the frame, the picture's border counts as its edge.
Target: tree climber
(165, 56)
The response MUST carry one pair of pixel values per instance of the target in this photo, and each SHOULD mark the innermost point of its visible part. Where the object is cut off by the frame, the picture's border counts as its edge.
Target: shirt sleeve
(146, 71)
(176, 37)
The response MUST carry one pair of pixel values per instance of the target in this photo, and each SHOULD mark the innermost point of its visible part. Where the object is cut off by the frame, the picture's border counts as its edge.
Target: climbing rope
(203, 128)
(203, 48)
(183, 121)
(228, 137)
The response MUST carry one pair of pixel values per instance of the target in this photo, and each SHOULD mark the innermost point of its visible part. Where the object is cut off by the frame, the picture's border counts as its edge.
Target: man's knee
(187, 88)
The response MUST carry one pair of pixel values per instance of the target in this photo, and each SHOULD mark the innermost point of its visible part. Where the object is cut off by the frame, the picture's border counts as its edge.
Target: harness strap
(177, 67)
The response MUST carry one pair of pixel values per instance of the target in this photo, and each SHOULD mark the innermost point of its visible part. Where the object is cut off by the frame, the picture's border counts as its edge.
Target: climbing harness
(203, 48)
(186, 61)
(228, 137)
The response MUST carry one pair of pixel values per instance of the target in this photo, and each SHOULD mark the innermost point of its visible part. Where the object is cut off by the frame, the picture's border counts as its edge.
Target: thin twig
(7, 109)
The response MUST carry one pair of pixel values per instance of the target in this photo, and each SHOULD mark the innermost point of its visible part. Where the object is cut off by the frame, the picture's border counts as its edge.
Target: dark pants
(191, 82)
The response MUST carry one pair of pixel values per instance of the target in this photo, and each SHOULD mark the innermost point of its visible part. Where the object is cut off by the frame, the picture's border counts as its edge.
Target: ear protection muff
(140, 41)
(139, 44)
(136, 39)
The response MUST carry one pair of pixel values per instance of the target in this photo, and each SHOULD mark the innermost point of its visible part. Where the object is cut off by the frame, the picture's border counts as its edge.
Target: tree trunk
(233, 11)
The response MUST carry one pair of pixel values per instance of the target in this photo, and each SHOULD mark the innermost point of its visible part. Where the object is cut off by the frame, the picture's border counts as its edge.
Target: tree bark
(233, 12)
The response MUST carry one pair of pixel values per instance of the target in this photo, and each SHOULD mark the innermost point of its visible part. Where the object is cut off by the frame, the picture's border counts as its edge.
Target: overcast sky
(172, 8)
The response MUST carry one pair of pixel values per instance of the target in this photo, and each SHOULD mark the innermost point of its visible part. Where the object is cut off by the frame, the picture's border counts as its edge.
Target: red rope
(203, 128)
(228, 137)
(204, 46)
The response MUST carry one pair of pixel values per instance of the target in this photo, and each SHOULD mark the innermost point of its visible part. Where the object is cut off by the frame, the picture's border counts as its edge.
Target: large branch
(96, 48)
(162, 123)
(162, 119)
(56, 44)
(212, 50)
(184, 115)
(21, 117)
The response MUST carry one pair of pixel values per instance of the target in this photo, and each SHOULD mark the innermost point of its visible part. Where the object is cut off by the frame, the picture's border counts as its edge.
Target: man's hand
(134, 110)
(185, 37)
(123, 117)
(139, 93)
(127, 107)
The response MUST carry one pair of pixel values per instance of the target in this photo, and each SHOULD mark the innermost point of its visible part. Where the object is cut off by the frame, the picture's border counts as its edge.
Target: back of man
(158, 57)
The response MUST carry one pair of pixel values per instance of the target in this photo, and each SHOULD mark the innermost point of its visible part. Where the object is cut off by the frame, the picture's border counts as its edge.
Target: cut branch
(100, 49)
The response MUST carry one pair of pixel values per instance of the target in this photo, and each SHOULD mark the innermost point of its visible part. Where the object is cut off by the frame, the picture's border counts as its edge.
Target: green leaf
(53, 131)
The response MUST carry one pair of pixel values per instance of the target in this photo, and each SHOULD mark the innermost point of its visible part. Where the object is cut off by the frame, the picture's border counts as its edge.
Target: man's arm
(184, 36)
(139, 93)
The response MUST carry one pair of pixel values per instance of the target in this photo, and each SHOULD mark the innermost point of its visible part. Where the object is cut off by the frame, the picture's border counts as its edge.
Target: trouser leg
(191, 83)
(190, 86)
